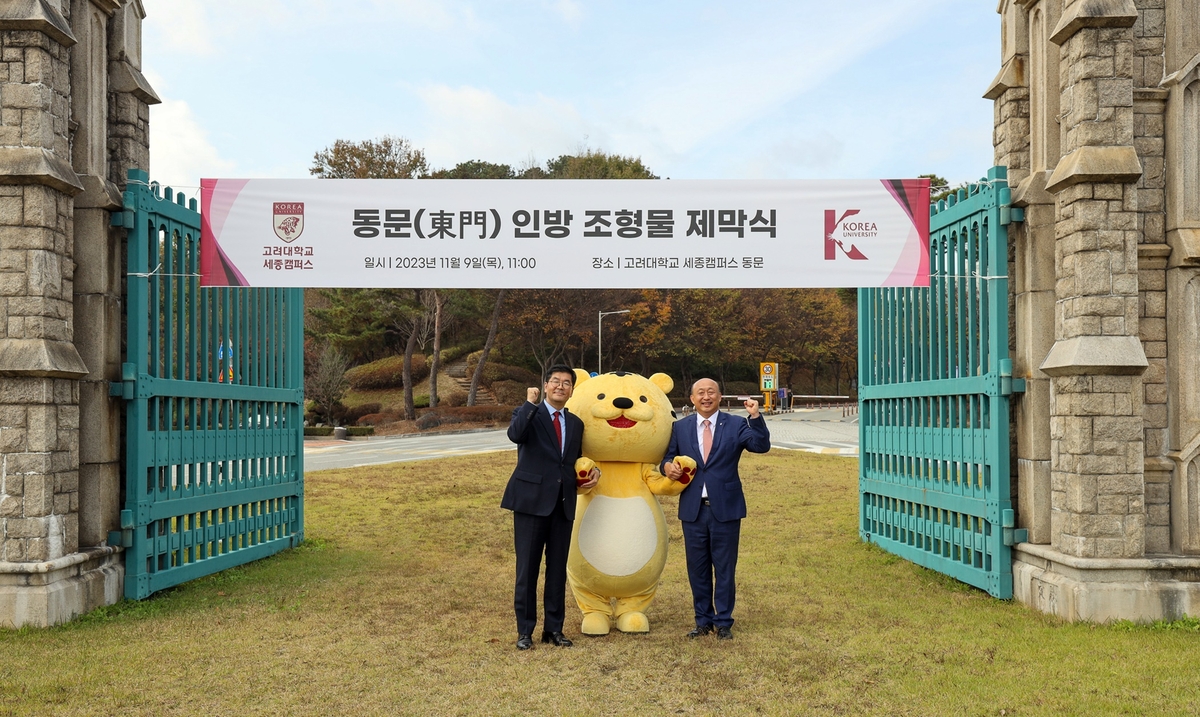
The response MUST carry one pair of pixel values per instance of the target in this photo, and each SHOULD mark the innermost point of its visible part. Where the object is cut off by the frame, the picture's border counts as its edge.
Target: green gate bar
(213, 380)
(934, 383)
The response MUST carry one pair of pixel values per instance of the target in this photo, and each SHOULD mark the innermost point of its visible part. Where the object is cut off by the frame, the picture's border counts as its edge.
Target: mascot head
(626, 417)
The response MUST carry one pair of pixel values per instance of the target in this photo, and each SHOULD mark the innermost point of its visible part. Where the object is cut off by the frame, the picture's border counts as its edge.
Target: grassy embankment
(400, 603)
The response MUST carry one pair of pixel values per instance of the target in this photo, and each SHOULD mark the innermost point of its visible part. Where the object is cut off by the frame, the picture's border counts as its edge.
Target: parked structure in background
(1097, 118)
(74, 111)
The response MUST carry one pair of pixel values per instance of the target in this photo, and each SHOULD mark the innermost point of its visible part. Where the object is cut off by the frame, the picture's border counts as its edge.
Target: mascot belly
(619, 540)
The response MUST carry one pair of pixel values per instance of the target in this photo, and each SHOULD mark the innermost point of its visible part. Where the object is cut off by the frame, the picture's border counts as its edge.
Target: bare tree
(327, 383)
(487, 347)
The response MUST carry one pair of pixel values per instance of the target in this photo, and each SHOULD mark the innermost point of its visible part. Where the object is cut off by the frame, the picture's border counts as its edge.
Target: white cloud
(470, 123)
(180, 153)
(571, 12)
(181, 25)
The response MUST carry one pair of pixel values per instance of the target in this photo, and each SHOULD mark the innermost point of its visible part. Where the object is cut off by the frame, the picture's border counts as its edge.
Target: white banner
(576, 234)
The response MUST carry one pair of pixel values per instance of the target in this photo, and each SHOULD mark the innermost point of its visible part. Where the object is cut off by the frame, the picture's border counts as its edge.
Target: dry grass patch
(400, 603)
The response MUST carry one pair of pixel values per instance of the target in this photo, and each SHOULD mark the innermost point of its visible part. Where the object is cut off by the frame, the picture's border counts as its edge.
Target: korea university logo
(839, 233)
(288, 220)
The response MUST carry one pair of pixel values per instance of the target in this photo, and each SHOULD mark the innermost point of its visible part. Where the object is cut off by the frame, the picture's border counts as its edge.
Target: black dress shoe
(700, 631)
(524, 642)
(557, 638)
(724, 633)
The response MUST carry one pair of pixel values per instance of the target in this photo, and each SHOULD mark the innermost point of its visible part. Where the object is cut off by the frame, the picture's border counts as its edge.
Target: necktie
(558, 432)
(706, 437)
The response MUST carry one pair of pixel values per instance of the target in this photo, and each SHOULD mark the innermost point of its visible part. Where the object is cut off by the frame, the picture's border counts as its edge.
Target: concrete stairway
(457, 371)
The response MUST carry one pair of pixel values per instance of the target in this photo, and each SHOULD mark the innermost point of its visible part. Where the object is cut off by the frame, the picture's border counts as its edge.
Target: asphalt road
(815, 431)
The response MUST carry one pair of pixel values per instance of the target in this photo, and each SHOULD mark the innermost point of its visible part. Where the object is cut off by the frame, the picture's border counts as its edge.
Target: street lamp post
(600, 336)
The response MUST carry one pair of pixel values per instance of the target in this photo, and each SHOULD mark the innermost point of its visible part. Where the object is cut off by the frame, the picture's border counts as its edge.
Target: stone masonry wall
(1149, 122)
(1098, 506)
(39, 413)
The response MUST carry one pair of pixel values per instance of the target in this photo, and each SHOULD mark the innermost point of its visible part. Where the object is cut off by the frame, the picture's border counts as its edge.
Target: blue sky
(699, 90)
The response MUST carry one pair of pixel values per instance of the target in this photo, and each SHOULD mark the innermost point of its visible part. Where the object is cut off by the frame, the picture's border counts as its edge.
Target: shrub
(387, 373)
(328, 431)
(493, 371)
(354, 415)
(379, 419)
(457, 397)
(509, 393)
(498, 414)
(456, 352)
(434, 419)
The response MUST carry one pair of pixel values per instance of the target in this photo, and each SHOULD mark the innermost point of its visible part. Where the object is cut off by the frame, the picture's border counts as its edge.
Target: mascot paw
(594, 623)
(583, 466)
(633, 622)
(688, 466)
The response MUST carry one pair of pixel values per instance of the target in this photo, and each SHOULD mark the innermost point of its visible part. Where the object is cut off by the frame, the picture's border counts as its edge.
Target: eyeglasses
(558, 382)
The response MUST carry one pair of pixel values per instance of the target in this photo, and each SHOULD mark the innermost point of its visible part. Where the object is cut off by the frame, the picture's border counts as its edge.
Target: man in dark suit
(541, 495)
(711, 508)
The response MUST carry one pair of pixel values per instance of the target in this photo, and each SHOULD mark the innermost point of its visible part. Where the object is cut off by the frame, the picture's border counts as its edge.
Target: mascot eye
(600, 397)
(643, 398)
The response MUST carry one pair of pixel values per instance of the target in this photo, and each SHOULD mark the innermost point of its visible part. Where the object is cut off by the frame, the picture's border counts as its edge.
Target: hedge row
(328, 430)
(387, 373)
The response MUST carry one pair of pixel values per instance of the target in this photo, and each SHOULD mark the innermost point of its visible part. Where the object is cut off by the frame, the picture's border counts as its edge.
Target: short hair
(558, 368)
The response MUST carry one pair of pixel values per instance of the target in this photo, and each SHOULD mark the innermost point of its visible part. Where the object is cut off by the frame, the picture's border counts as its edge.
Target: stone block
(38, 550)
(1116, 428)
(12, 440)
(99, 502)
(1033, 499)
(42, 427)
(26, 527)
(26, 96)
(27, 464)
(1080, 494)
(100, 415)
(1127, 484)
(11, 506)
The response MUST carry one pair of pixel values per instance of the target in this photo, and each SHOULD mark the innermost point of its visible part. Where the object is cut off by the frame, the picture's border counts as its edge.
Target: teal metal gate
(213, 380)
(934, 383)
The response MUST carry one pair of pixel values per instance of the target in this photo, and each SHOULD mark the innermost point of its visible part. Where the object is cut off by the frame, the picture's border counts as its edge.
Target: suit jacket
(543, 476)
(731, 435)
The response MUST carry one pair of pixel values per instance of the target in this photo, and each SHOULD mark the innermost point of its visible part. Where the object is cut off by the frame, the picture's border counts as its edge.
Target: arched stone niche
(1182, 154)
(1183, 338)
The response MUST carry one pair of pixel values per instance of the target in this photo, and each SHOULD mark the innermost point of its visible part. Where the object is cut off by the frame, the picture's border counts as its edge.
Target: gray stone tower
(74, 111)
(1097, 117)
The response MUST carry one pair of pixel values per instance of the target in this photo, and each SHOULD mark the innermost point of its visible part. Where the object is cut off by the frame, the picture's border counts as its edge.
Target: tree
(597, 165)
(438, 301)
(326, 385)
(475, 169)
(386, 158)
(487, 346)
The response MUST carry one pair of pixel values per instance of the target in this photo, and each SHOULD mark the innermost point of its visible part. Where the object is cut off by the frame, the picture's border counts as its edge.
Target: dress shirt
(712, 427)
(562, 421)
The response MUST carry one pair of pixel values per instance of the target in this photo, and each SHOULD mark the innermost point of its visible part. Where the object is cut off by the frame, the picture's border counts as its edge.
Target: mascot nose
(622, 402)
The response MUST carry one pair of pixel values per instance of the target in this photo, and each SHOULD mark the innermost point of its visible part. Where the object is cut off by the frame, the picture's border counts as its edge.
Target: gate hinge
(126, 388)
(1008, 384)
(121, 218)
(124, 538)
(1012, 535)
(1009, 213)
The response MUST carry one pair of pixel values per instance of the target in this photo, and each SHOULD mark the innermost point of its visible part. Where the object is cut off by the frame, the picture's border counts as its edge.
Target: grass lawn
(400, 603)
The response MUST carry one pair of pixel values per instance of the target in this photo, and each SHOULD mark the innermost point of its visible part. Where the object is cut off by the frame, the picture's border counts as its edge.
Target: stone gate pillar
(72, 103)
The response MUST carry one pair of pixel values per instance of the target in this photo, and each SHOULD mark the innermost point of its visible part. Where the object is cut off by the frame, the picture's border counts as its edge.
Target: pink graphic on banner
(912, 268)
(216, 199)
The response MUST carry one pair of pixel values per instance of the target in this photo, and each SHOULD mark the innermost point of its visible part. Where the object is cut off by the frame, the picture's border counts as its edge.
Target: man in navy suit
(711, 508)
(541, 495)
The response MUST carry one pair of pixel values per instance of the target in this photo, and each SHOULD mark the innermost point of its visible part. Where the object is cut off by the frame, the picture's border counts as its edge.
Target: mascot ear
(581, 376)
(663, 381)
